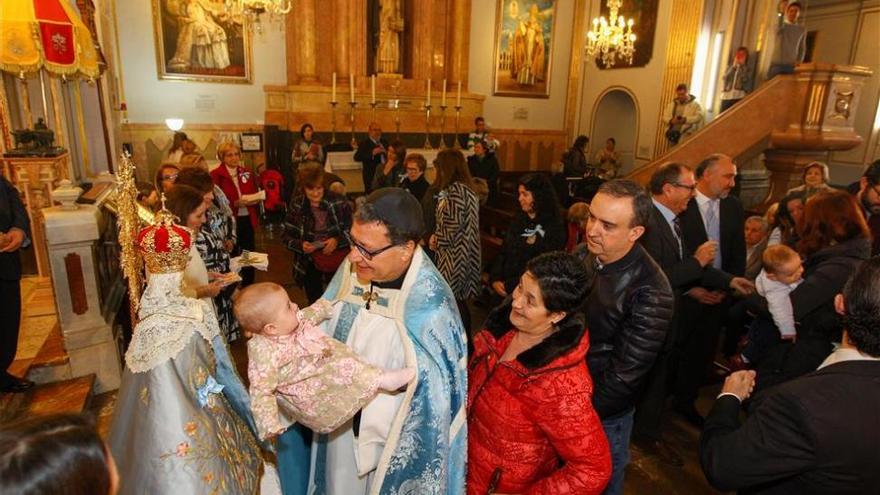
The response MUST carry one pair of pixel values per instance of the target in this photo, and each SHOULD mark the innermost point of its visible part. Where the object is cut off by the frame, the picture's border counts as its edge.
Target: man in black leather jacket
(628, 312)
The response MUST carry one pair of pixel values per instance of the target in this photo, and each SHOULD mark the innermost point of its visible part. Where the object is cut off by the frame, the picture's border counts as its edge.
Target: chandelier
(253, 9)
(612, 38)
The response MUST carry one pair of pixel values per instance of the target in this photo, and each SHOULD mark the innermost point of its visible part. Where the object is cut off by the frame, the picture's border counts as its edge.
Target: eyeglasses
(408, 169)
(366, 253)
(683, 186)
(169, 177)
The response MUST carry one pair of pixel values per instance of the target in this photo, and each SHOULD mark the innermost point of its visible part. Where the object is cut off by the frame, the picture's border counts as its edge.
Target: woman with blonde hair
(236, 181)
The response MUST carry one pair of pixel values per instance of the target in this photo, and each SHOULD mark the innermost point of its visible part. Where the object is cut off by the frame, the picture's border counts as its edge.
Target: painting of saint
(524, 42)
(200, 40)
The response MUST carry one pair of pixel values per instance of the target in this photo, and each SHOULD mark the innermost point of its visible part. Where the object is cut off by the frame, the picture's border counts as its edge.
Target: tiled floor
(645, 475)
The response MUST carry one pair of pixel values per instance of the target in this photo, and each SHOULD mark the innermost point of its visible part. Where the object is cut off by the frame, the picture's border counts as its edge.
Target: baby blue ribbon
(210, 387)
(530, 232)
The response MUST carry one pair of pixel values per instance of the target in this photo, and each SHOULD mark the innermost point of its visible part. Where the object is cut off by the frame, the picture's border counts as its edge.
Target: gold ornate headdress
(164, 245)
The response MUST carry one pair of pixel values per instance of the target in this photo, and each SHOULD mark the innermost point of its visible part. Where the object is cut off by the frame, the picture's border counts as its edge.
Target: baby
(299, 374)
(781, 274)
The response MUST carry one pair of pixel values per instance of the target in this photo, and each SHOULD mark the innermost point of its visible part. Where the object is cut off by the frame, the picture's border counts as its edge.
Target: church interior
(93, 93)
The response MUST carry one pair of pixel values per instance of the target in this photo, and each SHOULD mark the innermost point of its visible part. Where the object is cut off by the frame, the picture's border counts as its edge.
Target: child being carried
(299, 374)
(781, 274)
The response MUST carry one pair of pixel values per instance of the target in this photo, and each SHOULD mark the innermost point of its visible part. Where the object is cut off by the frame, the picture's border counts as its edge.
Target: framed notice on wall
(524, 40)
(252, 142)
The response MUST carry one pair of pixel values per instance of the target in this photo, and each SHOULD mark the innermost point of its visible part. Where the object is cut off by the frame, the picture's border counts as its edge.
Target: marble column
(342, 62)
(458, 52)
(307, 41)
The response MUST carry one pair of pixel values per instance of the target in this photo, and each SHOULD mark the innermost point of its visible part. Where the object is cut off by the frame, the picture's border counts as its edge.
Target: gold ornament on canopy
(612, 38)
(45, 34)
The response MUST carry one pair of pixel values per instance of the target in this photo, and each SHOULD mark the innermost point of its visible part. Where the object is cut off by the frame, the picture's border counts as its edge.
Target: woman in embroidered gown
(536, 229)
(174, 431)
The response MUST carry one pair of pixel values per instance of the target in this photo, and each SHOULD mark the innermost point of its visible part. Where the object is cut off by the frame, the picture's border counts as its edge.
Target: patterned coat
(218, 228)
(299, 227)
(458, 239)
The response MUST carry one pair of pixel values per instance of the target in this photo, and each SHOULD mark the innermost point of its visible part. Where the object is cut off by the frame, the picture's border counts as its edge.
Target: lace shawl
(167, 321)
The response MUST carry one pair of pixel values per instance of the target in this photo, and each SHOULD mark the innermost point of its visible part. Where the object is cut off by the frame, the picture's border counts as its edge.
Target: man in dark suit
(14, 233)
(867, 193)
(712, 215)
(371, 153)
(672, 187)
(816, 434)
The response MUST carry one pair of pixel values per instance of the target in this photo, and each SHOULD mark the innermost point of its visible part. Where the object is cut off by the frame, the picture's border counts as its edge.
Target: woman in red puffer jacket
(531, 424)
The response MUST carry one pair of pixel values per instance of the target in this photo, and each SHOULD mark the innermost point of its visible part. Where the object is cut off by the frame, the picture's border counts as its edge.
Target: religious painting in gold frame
(524, 42)
(197, 40)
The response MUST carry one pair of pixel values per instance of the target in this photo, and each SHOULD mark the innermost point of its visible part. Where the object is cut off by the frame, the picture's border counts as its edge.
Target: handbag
(328, 263)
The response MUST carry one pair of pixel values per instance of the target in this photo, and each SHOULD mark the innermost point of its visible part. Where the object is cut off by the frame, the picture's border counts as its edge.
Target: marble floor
(645, 474)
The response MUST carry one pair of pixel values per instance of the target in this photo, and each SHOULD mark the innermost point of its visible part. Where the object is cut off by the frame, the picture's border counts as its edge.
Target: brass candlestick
(397, 107)
(443, 126)
(333, 121)
(428, 127)
(397, 118)
(456, 144)
(351, 118)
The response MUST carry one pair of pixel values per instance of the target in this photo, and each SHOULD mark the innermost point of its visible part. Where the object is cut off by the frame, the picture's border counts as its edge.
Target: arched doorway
(616, 115)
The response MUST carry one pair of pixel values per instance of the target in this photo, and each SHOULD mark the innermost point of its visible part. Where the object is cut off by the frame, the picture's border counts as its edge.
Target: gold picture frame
(225, 58)
(524, 43)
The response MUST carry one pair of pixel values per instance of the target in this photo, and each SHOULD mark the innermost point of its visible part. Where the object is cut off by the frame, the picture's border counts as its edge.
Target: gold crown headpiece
(164, 245)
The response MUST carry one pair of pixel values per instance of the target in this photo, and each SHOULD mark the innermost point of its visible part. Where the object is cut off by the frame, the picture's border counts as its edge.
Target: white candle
(333, 93)
(351, 86)
(443, 100)
(373, 88)
(428, 93)
(458, 98)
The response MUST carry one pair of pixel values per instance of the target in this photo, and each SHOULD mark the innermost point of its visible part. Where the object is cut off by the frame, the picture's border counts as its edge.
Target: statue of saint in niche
(390, 29)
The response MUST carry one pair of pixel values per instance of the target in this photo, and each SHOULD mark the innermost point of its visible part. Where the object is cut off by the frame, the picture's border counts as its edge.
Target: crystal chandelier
(253, 9)
(612, 38)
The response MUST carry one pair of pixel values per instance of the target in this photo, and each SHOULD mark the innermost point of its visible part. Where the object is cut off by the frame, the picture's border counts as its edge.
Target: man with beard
(712, 215)
(867, 193)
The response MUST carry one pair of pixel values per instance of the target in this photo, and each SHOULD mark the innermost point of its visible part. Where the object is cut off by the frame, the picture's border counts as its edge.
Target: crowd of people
(603, 320)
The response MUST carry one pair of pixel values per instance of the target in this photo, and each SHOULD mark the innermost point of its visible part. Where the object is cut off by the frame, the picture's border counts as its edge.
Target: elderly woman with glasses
(315, 230)
(236, 181)
(414, 167)
(166, 175)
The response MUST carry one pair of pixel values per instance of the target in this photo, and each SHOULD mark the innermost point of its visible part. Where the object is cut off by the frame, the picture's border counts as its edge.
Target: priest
(394, 309)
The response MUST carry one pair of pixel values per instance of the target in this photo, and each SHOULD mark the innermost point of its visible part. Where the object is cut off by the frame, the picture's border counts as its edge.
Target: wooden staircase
(56, 392)
(792, 119)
